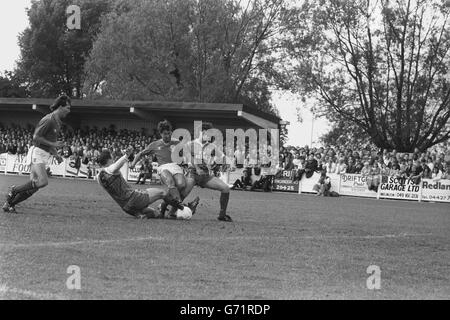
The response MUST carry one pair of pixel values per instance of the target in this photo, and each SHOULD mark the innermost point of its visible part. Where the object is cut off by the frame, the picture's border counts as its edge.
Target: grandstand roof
(190, 110)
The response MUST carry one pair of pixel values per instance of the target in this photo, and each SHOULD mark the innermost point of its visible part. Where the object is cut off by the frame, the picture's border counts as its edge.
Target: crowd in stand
(84, 145)
(430, 164)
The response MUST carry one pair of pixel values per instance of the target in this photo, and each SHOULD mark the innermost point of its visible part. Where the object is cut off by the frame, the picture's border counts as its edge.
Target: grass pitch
(280, 246)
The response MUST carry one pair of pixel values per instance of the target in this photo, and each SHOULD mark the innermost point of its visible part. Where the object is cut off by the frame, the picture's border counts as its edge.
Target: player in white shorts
(171, 174)
(45, 142)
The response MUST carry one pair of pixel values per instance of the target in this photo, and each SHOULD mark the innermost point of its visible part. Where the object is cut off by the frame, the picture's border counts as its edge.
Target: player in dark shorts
(199, 174)
(45, 143)
(134, 202)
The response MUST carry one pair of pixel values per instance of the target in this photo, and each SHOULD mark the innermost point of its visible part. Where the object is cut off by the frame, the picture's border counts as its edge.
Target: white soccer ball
(185, 214)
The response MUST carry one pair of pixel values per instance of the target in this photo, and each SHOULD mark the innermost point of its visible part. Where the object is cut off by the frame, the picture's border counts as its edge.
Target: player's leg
(139, 178)
(180, 183)
(38, 180)
(217, 184)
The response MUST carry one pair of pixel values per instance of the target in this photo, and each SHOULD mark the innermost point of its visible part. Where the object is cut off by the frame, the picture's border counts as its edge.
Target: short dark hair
(104, 157)
(164, 126)
(61, 101)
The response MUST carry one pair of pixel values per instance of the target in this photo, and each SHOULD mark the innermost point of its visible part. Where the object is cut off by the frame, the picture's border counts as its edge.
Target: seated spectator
(260, 181)
(3, 148)
(384, 170)
(358, 165)
(394, 168)
(11, 149)
(416, 172)
(323, 186)
(244, 181)
(436, 174)
(66, 151)
(351, 168)
(446, 171)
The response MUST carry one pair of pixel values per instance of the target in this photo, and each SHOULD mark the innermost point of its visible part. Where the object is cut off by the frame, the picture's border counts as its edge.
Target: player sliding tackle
(134, 202)
(171, 174)
(44, 146)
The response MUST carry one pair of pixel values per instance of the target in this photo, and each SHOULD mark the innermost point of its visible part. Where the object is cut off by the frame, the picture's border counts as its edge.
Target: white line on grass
(184, 239)
(4, 289)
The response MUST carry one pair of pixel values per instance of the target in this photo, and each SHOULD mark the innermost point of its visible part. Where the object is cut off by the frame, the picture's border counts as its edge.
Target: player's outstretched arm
(116, 166)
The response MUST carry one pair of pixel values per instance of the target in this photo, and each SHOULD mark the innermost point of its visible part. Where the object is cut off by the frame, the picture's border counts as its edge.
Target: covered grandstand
(136, 115)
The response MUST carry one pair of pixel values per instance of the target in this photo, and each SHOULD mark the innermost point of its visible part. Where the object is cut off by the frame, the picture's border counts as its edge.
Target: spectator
(330, 165)
(310, 166)
(145, 171)
(244, 181)
(436, 174)
(416, 172)
(426, 172)
(446, 172)
(351, 168)
(342, 166)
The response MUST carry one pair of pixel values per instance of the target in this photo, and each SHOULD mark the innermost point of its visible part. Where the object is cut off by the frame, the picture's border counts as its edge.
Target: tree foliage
(10, 86)
(196, 50)
(382, 65)
(52, 56)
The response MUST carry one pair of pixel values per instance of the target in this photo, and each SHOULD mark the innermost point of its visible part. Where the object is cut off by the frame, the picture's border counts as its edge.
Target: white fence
(356, 185)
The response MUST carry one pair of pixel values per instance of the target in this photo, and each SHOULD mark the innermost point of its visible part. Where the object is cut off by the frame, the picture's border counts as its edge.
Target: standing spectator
(342, 166)
(426, 171)
(310, 166)
(330, 165)
(358, 165)
(146, 171)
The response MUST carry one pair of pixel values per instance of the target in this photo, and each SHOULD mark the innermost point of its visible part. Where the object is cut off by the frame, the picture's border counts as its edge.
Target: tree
(196, 50)
(52, 56)
(10, 87)
(345, 134)
(381, 65)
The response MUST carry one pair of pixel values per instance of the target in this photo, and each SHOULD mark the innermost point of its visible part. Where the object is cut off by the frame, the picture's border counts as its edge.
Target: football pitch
(280, 246)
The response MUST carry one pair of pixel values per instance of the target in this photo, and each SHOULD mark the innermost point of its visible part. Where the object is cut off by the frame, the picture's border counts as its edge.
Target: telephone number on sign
(437, 198)
(284, 188)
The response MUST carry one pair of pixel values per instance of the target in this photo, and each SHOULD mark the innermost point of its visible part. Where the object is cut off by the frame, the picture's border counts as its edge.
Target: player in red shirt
(45, 143)
(171, 174)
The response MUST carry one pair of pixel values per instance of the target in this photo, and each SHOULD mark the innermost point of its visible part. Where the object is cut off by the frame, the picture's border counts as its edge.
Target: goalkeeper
(134, 202)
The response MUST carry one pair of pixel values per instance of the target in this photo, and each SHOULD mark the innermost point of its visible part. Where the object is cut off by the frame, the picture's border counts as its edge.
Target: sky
(13, 20)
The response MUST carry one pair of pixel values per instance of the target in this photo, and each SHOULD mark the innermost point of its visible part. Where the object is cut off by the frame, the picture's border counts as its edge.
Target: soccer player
(134, 202)
(171, 174)
(200, 174)
(45, 143)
